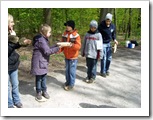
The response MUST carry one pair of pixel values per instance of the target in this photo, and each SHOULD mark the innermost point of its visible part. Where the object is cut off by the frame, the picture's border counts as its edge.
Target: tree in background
(103, 12)
(127, 20)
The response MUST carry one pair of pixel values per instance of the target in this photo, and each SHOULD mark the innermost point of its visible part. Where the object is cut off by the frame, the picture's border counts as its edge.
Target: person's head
(45, 30)
(10, 22)
(108, 19)
(70, 25)
(93, 25)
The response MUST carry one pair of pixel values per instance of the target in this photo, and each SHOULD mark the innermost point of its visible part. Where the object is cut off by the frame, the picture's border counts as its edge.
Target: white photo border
(143, 111)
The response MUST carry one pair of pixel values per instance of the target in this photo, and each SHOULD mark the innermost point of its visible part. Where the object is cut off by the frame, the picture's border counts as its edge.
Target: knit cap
(70, 23)
(94, 23)
(109, 16)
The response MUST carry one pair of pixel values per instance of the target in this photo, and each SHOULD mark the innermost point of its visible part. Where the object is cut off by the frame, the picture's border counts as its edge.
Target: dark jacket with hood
(108, 33)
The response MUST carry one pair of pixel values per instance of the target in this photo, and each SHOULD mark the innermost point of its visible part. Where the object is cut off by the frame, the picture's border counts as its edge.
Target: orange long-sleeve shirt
(73, 51)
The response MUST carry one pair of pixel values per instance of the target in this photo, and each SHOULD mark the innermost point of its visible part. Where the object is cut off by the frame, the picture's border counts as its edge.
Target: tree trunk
(139, 19)
(103, 12)
(66, 15)
(47, 16)
(124, 22)
(129, 23)
(115, 19)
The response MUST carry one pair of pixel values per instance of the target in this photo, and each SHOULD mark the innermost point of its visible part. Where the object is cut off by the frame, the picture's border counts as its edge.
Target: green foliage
(28, 20)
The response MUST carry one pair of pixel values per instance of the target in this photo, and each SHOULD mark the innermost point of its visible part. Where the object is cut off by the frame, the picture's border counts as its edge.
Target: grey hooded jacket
(90, 46)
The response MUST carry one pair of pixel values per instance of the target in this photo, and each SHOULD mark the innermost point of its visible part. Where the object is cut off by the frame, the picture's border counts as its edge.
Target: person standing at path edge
(71, 53)
(108, 31)
(92, 49)
(40, 60)
(13, 63)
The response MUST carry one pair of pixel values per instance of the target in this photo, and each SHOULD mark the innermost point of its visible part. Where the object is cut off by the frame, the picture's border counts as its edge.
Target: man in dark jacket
(107, 29)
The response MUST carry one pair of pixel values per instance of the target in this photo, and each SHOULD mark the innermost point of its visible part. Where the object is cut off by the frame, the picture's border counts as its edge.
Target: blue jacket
(108, 33)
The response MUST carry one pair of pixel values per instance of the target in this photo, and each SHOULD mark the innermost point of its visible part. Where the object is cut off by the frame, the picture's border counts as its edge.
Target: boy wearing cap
(71, 53)
(107, 29)
(92, 50)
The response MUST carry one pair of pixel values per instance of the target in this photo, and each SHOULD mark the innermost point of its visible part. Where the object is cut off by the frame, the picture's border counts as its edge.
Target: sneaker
(71, 87)
(107, 73)
(66, 84)
(19, 105)
(103, 75)
(91, 80)
(11, 107)
(46, 95)
(67, 88)
(38, 96)
(86, 80)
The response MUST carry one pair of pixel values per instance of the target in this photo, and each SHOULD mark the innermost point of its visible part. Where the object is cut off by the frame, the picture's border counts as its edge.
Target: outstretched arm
(46, 49)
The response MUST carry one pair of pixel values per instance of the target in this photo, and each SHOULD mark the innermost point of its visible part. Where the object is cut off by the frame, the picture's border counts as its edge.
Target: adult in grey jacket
(92, 49)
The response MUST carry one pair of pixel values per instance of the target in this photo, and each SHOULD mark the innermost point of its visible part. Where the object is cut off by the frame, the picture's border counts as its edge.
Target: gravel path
(122, 89)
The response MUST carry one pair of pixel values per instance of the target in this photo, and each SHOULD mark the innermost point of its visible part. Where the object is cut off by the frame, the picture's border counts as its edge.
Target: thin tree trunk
(47, 18)
(66, 14)
(47, 15)
(139, 19)
(124, 22)
(129, 24)
(103, 12)
(115, 18)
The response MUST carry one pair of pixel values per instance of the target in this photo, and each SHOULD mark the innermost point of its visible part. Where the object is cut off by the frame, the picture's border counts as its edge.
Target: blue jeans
(107, 58)
(13, 94)
(71, 66)
(92, 68)
(41, 83)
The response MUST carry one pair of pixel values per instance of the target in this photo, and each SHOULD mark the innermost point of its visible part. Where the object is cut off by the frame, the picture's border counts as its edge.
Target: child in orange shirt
(71, 53)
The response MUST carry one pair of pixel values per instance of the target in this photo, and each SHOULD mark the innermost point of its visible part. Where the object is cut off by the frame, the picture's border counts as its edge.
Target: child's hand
(27, 41)
(71, 44)
(116, 42)
(60, 46)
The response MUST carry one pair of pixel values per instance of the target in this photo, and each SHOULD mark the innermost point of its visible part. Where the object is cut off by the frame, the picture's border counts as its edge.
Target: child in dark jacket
(40, 60)
(92, 50)
(13, 63)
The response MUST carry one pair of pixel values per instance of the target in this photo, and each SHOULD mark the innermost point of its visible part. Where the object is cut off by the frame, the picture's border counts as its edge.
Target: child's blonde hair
(44, 28)
(10, 18)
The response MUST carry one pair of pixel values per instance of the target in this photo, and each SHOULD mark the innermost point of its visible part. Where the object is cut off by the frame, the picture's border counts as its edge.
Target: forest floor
(122, 89)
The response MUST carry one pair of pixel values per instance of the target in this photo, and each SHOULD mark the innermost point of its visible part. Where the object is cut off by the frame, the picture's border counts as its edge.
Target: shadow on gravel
(127, 54)
(28, 87)
(52, 80)
(87, 105)
(63, 72)
(82, 68)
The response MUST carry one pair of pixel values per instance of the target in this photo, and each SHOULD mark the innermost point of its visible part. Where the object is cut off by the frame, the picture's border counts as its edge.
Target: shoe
(19, 105)
(91, 80)
(67, 88)
(71, 87)
(86, 80)
(66, 84)
(107, 73)
(38, 96)
(11, 107)
(103, 75)
(46, 95)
